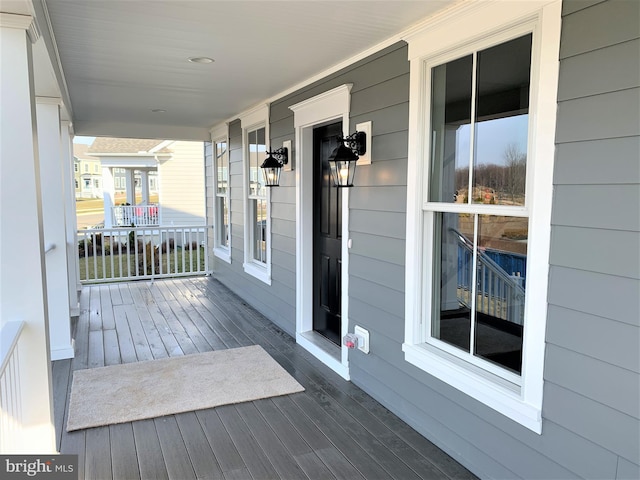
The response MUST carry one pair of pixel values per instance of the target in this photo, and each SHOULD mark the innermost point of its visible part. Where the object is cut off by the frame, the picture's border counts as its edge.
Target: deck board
(332, 430)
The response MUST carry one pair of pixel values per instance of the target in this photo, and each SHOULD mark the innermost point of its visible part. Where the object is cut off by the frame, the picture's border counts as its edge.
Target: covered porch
(331, 430)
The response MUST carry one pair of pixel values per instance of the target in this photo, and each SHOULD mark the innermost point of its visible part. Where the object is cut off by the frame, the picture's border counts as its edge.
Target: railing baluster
(134, 259)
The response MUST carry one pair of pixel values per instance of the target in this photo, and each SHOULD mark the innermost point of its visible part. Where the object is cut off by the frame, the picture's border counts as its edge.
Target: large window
(479, 130)
(480, 177)
(257, 196)
(222, 224)
(257, 241)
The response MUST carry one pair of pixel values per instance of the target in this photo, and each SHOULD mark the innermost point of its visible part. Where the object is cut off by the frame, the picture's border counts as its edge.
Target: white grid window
(481, 141)
(257, 208)
(222, 241)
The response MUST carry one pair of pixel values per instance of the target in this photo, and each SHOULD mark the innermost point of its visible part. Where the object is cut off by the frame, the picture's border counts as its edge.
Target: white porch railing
(136, 215)
(10, 386)
(136, 253)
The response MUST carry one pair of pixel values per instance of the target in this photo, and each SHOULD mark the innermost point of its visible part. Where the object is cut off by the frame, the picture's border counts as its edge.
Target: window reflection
(450, 119)
(257, 152)
(499, 126)
(480, 277)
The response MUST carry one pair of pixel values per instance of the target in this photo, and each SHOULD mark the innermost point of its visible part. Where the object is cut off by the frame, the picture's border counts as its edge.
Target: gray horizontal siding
(627, 470)
(599, 26)
(611, 69)
(593, 250)
(595, 206)
(605, 426)
(592, 385)
(617, 116)
(367, 221)
(599, 381)
(572, 6)
(596, 294)
(582, 162)
(275, 301)
(616, 343)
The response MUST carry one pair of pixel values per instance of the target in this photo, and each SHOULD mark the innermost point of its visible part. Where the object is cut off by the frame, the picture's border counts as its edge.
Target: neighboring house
(120, 183)
(172, 169)
(490, 245)
(87, 173)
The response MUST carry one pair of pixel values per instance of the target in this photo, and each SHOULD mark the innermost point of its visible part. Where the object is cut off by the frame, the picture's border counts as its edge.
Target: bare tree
(515, 170)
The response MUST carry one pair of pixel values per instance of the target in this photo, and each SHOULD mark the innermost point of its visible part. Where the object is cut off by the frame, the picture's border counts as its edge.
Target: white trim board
(333, 105)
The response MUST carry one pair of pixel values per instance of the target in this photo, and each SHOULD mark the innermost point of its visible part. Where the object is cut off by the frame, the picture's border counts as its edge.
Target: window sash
(431, 310)
(221, 199)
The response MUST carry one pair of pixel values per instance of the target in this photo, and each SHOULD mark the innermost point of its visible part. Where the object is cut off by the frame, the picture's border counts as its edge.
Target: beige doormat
(135, 391)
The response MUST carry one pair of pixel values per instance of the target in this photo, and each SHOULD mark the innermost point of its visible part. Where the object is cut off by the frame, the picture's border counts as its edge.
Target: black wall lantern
(343, 159)
(272, 166)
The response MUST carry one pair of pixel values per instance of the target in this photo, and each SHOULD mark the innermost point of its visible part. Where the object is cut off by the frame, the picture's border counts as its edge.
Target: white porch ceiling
(123, 58)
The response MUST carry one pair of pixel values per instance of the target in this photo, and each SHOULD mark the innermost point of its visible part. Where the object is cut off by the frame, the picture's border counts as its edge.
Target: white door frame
(328, 107)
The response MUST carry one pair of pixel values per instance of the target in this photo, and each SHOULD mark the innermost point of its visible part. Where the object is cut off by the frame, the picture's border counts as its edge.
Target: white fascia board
(161, 145)
(129, 161)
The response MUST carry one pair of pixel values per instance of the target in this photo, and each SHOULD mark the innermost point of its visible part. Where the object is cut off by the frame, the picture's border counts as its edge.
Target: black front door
(327, 237)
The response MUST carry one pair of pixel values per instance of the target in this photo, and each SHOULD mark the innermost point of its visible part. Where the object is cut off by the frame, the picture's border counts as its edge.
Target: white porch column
(130, 186)
(108, 196)
(144, 186)
(73, 271)
(23, 294)
(52, 180)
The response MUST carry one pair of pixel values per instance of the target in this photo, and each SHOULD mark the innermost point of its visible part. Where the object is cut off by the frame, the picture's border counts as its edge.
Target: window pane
(223, 222)
(450, 130)
(502, 107)
(501, 275)
(257, 151)
(453, 279)
(259, 217)
(222, 167)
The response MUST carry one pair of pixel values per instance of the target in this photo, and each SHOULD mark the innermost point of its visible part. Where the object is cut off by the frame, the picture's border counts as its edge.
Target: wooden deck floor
(332, 430)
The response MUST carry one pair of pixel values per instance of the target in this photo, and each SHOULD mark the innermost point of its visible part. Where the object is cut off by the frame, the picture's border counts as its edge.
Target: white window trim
(478, 24)
(220, 134)
(256, 118)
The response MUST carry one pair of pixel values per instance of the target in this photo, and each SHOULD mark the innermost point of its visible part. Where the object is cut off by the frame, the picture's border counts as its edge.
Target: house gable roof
(80, 152)
(126, 146)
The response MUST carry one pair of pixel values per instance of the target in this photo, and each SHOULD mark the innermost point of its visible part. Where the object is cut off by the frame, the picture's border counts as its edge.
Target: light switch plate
(363, 341)
(366, 128)
(289, 166)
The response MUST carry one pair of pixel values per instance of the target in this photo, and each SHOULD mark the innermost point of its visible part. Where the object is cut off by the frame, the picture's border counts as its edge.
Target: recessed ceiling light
(200, 60)
(158, 110)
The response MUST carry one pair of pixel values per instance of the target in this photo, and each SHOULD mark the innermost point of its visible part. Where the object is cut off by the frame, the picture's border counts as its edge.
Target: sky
(85, 140)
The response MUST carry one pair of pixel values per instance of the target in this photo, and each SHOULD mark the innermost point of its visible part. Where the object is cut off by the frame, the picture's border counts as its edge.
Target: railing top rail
(144, 228)
(487, 260)
(9, 336)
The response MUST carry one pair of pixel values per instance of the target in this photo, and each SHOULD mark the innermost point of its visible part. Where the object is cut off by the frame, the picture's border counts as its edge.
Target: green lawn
(99, 268)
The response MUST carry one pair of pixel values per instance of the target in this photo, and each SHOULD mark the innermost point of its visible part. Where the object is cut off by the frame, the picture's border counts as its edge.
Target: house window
(86, 168)
(479, 130)
(479, 210)
(77, 184)
(96, 183)
(117, 182)
(257, 261)
(221, 199)
(95, 168)
(87, 183)
(257, 196)
(75, 167)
